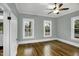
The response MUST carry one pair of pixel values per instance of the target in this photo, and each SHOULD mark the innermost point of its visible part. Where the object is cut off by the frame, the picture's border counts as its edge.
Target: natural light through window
(28, 28)
(75, 28)
(47, 28)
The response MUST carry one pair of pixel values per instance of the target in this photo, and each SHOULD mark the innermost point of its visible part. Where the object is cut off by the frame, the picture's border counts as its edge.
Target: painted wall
(38, 26)
(63, 26)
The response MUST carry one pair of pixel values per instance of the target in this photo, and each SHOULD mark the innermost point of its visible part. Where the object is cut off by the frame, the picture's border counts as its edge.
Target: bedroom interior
(40, 29)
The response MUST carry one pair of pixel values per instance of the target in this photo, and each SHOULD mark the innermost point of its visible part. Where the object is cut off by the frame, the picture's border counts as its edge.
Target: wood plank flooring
(51, 48)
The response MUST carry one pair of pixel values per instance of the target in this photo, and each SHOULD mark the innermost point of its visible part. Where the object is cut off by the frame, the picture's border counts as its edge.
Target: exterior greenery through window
(76, 29)
(1, 27)
(28, 28)
(47, 28)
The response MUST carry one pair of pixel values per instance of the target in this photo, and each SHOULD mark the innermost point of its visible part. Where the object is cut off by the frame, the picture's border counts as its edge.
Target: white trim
(1, 16)
(7, 11)
(49, 39)
(68, 42)
(24, 21)
(73, 19)
(50, 28)
(35, 40)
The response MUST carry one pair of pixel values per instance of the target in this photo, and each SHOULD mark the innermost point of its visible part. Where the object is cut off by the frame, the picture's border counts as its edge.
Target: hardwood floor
(51, 48)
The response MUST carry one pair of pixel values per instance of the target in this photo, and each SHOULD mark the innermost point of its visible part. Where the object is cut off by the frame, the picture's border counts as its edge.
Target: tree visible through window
(47, 28)
(76, 29)
(1, 27)
(28, 28)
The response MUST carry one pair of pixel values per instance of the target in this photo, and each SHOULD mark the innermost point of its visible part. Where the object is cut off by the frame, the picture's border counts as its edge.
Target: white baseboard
(36, 40)
(68, 42)
(42, 40)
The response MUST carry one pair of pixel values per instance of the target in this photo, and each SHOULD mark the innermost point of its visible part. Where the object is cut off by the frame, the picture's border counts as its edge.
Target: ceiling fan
(57, 8)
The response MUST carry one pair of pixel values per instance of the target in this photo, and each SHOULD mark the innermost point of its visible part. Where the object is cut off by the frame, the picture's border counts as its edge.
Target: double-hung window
(75, 28)
(28, 28)
(47, 28)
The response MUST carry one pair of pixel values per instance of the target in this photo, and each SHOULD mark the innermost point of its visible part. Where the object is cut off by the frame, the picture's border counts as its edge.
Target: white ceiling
(40, 9)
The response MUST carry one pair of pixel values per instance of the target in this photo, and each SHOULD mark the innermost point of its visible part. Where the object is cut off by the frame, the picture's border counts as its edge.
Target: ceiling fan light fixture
(56, 8)
(56, 11)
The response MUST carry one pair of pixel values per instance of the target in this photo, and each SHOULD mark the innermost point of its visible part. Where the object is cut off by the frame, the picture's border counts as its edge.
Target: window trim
(50, 28)
(73, 19)
(24, 21)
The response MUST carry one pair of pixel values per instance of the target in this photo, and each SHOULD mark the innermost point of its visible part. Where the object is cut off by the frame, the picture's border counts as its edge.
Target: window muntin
(76, 29)
(47, 28)
(28, 28)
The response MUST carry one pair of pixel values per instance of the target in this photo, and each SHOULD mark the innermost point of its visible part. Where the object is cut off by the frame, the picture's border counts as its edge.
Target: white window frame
(50, 28)
(72, 27)
(24, 21)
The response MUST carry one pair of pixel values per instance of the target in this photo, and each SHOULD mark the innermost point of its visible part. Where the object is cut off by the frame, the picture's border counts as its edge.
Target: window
(1, 27)
(47, 28)
(75, 28)
(28, 28)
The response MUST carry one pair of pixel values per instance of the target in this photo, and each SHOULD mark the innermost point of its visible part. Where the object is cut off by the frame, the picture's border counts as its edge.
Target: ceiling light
(56, 11)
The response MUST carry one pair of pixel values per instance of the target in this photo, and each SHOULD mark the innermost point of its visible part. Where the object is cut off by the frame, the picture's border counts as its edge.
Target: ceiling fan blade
(50, 12)
(55, 6)
(60, 5)
(57, 13)
(64, 9)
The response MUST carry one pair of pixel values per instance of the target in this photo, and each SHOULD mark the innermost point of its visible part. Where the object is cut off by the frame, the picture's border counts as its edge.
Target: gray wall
(38, 26)
(63, 26)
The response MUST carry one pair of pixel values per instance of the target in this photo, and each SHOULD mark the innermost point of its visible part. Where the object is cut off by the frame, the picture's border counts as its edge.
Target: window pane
(28, 30)
(77, 24)
(76, 30)
(47, 25)
(76, 33)
(1, 27)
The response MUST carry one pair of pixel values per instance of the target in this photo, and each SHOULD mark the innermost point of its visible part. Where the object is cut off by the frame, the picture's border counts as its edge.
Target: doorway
(1, 31)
